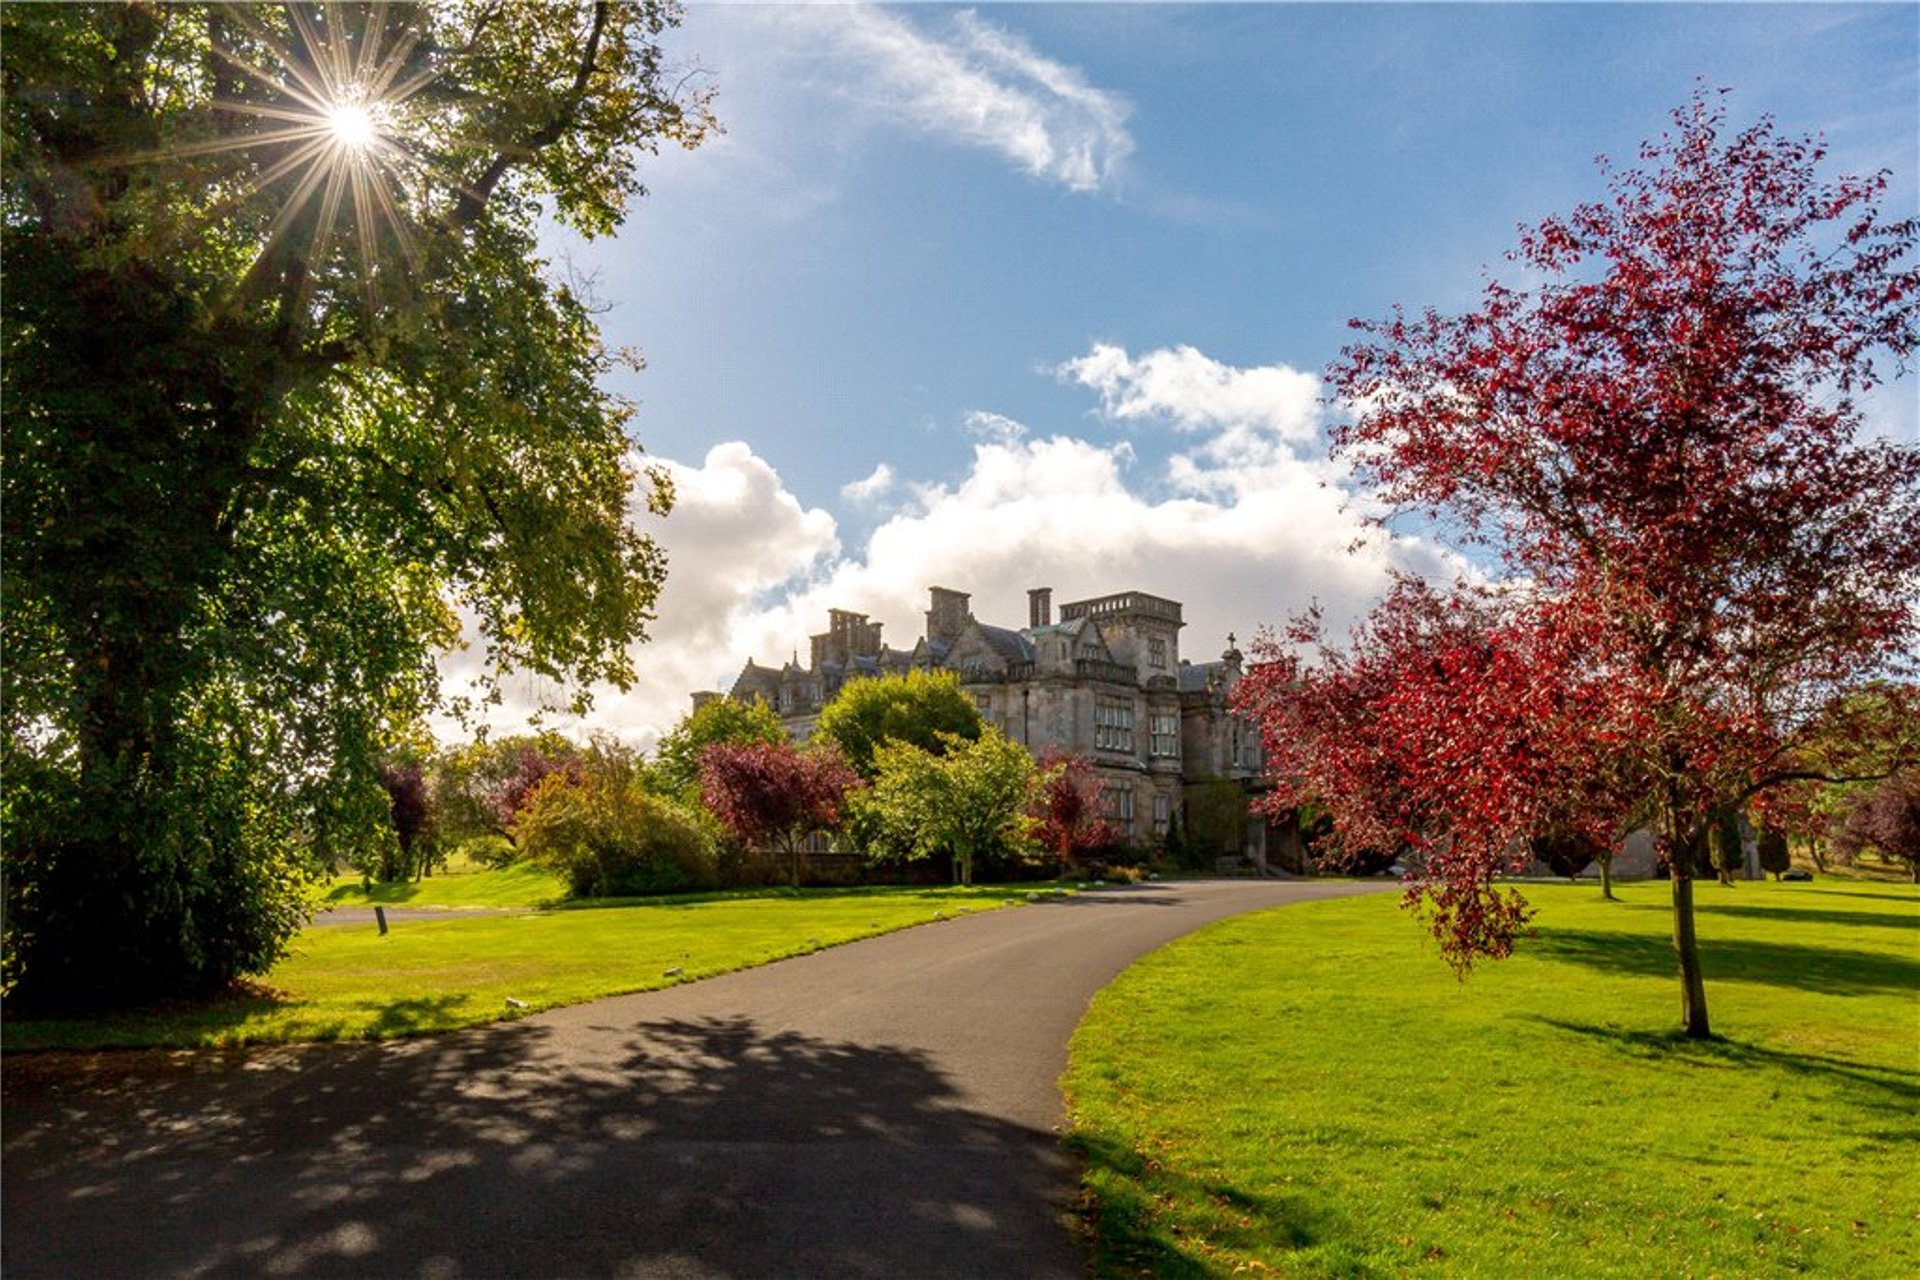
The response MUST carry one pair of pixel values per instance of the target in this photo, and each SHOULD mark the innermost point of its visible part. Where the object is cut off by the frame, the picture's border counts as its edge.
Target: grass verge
(348, 982)
(1309, 1092)
(518, 885)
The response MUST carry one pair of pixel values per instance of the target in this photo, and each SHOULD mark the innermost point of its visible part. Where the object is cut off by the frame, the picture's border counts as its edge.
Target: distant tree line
(901, 771)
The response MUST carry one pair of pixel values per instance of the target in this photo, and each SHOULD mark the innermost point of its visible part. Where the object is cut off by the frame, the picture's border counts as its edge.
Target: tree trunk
(1686, 948)
(1606, 878)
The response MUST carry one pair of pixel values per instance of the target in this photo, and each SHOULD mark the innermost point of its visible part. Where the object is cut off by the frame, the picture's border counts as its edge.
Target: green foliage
(469, 782)
(1370, 1116)
(609, 837)
(973, 800)
(1725, 857)
(676, 761)
(276, 419)
(492, 852)
(924, 709)
(1173, 846)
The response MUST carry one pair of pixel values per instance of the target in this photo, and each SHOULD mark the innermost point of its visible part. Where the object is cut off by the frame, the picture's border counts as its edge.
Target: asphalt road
(886, 1108)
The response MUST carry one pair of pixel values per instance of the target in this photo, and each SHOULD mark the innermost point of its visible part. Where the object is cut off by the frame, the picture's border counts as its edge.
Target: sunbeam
(338, 87)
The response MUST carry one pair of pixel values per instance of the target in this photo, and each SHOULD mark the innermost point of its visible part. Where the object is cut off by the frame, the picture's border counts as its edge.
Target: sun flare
(353, 125)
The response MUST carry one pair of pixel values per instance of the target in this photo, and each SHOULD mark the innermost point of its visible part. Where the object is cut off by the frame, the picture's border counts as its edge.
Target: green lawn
(518, 885)
(1309, 1092)
(346, 981)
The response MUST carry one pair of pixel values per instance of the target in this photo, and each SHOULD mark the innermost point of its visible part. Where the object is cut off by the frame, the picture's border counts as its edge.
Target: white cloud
(1196, 393)
(1242, 541)
(735, 537)
(875, 486)
(977, 84)
(994, 427)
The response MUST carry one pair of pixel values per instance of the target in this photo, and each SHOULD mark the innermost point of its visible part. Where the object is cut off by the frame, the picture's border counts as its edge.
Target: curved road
(885, 1108)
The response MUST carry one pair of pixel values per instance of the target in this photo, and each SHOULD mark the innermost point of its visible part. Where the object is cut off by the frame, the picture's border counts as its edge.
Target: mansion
(1105, 680)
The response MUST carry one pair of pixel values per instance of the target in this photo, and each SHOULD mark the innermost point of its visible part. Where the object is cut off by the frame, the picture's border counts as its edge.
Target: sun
(353, 125)
(330, 94)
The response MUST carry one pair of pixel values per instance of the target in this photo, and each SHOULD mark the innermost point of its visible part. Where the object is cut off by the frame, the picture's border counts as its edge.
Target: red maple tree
(1066, 810)
(774, 794)
(1662, 442)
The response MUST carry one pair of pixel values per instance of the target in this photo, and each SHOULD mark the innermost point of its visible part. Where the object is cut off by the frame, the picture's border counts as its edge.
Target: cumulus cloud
(1239, 551)
(1196, 393)
(736, 539)
(995, 427)
(1241, 541)
(977, 84)
(876, 485)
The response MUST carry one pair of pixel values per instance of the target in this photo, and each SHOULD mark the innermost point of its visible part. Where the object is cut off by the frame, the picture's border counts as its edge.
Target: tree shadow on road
(688, 1147)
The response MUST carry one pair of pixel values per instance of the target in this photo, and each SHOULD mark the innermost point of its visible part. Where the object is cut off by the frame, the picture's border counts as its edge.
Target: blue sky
(1011, 296)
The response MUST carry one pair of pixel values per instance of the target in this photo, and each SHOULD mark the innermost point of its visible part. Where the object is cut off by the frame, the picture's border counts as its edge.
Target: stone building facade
(1104, 680)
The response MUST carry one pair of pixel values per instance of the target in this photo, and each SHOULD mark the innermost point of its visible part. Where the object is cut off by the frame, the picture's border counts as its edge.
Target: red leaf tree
(1454, 726)
(1887, 820)
(773, 794)
(1067, 822)
(510, 794)
(1662, 441)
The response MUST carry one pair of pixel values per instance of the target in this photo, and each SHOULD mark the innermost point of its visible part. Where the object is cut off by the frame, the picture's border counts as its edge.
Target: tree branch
(473, 199)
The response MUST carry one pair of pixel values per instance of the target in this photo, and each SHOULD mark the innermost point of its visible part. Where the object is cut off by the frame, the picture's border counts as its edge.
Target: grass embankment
(1309, 1092)
(348, 982)
(518, 885)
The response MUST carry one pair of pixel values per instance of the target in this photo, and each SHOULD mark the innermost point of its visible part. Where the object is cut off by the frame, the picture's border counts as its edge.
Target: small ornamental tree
(774, 794)
(466, 780)
(597, 826)
(1661, 440)
(974, 798)
(1774, 855)
(676, 761)
(926, 709)
(1066, 819)
(528, 768)
(407, 856)
(1454, 725)
(1887, 821)
(1562, 855)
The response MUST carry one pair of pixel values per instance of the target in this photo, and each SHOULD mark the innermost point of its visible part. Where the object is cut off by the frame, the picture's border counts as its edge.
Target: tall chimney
(947, 617)
(1040, 607)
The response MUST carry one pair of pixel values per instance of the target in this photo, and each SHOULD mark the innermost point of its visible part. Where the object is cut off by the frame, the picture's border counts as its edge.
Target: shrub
(492, 852)
(1774, 857)
(1564, 854)
(609, 838)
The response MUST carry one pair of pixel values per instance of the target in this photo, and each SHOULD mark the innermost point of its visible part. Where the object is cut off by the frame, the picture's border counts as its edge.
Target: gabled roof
(1008, 643)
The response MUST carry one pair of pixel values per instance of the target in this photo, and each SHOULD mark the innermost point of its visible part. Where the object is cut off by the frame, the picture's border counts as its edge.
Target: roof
(1006, 642)
(1196, 677)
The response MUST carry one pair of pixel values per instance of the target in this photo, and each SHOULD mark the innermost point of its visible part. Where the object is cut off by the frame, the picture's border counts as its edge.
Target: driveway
(885, 1108)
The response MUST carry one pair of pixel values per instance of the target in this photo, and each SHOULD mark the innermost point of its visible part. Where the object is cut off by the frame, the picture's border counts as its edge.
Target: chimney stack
(1040, 607)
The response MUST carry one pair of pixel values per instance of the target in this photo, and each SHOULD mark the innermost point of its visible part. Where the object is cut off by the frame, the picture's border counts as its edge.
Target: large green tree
(971, 800)
(926, 709)
(676, 761)
(291, 397)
